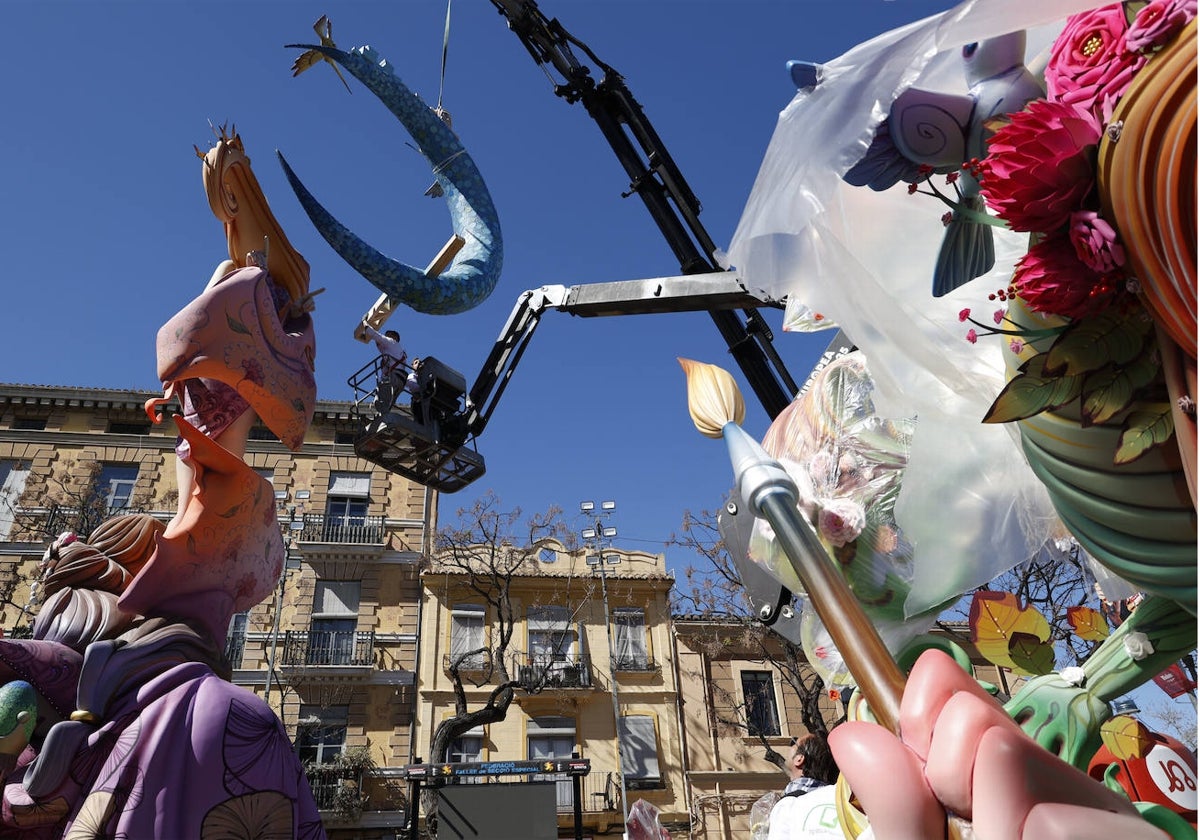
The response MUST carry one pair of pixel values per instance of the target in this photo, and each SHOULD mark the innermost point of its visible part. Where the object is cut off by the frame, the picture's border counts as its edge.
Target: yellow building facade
(581, 634)
(735, 702)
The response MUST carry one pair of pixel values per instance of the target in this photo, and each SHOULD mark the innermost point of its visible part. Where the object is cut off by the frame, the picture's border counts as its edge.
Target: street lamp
(599, 536)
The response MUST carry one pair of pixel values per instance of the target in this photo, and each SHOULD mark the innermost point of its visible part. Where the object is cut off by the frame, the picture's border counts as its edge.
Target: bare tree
(1175, 716)
(484, 553)
(72, 498)
(712, 589)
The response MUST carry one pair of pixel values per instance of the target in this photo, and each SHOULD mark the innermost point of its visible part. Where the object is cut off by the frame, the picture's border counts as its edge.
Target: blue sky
(106, 231)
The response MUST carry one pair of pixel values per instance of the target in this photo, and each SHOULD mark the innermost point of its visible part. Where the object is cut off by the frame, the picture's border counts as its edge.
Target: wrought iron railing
(332, 785)
(474, 662)
(635, 663)
(235, 649)
(57, 518)
(360, 530)
(328, 648)
(540, 671)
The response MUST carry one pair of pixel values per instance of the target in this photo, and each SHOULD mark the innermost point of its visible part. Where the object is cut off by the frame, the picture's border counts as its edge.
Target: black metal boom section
(656, 179)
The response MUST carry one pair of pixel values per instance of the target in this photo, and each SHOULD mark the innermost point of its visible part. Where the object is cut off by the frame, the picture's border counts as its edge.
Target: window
(30, 424)
(344, 437)
(466, 747)
(553, 652)
(321, 733)
(235, 643)
(758, 690)
(629, 639)
(115, 485)
(331, 636)
(553, 737)
(466, 635)
(346, 507)
(13, 475)
(551, 636)
(639, 752)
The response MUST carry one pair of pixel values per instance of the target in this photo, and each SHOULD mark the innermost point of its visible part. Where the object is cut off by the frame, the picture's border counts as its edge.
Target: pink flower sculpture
(1038, 170)
(1157, 22)
(1095, 241)
(1090, 65)
(841, 521)
(1050, 278)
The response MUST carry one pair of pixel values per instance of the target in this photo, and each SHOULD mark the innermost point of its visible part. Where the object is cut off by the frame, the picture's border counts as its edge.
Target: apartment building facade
(590, 646)
(333, 650)
(736, 700)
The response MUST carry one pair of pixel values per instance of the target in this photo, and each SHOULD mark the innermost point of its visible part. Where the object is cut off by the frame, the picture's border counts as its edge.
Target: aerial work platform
(425, 440)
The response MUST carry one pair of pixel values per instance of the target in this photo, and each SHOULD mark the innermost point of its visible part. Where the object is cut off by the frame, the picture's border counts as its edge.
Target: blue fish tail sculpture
(473, 274)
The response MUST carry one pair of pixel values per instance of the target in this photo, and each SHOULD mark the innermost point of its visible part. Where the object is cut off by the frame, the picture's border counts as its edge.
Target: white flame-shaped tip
(713, 397)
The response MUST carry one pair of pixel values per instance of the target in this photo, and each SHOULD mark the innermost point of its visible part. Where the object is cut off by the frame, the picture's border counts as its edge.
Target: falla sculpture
(119, 717)
(953, 754)
(1121, 76)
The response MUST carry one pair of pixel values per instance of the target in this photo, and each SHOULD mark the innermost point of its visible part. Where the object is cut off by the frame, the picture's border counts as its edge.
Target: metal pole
(612, 677)
(414, 807)
(275, 635)
(577, 790)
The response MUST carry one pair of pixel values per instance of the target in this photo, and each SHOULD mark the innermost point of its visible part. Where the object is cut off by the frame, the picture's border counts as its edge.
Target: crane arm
(718, 291)
(656, 179)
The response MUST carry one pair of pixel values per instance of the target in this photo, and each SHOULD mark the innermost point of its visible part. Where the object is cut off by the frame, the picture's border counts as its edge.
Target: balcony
(475, 663)
(636, 664)
(51, 521)
(335, 788)
(328, 649)
(235, 649)
(356, 530)
(539, 671)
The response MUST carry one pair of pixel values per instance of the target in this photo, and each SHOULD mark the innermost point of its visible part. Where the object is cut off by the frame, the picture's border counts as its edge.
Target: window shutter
(336, 597)
(639, 750)
(350, 484)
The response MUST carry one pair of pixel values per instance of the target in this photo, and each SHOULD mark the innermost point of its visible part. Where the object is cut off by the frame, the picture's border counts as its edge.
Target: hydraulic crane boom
(656, 179)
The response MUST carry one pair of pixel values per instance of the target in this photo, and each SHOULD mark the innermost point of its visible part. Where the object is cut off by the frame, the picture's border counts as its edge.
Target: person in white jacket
(807, 810)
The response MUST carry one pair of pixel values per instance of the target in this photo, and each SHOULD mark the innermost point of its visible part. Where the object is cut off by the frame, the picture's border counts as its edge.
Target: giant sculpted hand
(960, 753)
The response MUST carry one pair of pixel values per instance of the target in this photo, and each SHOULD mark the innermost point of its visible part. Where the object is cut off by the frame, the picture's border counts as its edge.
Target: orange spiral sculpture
(1147, 179)
(1147, 182)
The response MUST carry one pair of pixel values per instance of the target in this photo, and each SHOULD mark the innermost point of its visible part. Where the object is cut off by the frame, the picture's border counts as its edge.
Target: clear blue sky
(106, 231)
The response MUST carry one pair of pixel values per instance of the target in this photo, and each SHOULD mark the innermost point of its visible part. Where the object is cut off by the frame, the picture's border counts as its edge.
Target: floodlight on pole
(600, 537)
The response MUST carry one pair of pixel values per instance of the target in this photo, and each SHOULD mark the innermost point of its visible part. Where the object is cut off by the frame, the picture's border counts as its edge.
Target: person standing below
(391, 370)
(807, 810)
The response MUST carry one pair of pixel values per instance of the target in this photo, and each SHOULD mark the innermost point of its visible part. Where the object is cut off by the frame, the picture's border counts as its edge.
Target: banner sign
(432, 772)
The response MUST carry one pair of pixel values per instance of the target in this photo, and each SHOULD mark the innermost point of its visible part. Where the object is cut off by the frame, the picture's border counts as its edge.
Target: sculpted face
(232, 332)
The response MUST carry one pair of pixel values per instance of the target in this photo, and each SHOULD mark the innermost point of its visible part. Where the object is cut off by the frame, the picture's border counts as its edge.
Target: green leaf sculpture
(1111, 337)
(1033, 391)
(1149, 426)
